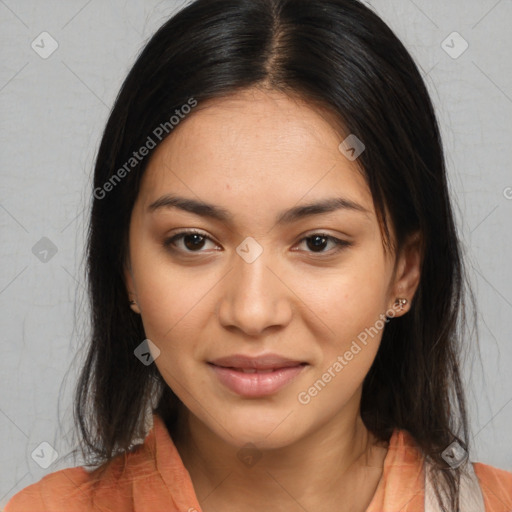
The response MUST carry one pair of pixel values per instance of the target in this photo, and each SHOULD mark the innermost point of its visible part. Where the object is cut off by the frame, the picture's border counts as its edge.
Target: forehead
(251, 146)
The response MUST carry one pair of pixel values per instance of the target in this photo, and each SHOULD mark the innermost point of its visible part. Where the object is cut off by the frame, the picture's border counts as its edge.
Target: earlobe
(134, 306)
(129, 282)
(409, 274)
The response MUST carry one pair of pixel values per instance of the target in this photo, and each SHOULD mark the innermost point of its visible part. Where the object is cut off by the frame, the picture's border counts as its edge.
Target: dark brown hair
(334, 53)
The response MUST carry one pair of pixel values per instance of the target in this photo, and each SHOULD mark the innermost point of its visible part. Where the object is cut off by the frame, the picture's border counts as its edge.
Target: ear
(407, 273)
(130, 287)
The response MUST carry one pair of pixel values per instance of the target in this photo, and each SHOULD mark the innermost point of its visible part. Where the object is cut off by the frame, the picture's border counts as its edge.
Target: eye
(317, 243)
(188, 241)
(195, 241)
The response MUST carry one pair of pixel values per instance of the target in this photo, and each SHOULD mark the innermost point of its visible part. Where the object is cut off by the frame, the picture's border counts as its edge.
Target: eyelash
(340, 244)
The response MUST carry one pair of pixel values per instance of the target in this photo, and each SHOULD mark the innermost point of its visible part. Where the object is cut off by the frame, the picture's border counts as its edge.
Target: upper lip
(263, 362)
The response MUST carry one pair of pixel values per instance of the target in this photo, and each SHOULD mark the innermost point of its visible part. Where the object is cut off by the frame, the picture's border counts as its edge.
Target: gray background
(53, 111)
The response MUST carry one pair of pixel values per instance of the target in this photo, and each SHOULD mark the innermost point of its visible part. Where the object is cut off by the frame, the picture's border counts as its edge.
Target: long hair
(340, 56)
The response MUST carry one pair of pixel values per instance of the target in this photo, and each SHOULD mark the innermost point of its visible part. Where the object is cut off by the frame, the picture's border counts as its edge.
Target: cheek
(337, 385)
(352, 303)
(171, 299)
(356, 324)
(348, 299)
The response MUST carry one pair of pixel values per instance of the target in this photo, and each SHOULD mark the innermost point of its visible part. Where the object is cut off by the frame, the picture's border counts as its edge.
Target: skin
(256, 154)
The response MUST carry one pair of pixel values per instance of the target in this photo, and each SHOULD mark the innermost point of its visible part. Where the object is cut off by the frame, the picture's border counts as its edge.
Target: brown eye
(193, 242)
(188, 242)
(318, 242)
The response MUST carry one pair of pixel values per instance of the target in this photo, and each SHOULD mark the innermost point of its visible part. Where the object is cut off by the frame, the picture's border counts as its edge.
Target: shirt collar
(401, 483)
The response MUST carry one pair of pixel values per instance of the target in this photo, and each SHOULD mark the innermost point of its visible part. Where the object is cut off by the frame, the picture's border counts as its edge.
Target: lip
(262, 362)
(264, 375)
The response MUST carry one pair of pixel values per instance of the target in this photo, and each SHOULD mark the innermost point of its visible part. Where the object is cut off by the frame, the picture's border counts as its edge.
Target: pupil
(198, 241)
(318, 242)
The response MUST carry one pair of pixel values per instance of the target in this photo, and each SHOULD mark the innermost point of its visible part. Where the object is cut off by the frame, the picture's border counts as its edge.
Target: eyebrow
(294, 214)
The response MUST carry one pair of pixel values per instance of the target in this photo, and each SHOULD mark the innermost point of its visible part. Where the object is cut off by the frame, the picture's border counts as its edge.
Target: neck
(339, 463)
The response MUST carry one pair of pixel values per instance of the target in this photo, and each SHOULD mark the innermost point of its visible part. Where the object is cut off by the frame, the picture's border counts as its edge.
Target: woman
(276, 281)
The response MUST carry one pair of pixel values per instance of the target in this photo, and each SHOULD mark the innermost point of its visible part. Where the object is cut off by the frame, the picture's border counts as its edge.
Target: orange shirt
(153, 479)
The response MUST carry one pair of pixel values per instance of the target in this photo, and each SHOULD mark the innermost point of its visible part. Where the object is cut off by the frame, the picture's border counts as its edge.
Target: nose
(254, 298)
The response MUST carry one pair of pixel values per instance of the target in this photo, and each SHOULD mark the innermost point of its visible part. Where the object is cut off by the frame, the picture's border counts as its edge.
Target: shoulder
(150, 471)
(496, 485)
(405, 455)
(80, 490)
(54, 493)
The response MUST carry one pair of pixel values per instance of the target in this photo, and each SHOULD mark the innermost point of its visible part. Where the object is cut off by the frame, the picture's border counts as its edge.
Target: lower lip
(256, 384)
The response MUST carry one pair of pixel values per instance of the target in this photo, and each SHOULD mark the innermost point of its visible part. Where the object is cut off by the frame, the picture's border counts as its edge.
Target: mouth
(254, 377)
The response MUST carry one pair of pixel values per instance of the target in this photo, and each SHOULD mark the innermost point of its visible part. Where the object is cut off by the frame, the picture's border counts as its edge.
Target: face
(267, 315)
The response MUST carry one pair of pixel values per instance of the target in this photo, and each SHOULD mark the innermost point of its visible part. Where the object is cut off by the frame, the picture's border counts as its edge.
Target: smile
(256, 377)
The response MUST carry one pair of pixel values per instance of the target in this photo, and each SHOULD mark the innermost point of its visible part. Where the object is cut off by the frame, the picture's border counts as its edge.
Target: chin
(267, 430)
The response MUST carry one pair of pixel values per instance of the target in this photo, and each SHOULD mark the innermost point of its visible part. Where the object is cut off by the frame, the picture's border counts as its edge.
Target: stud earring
(401, 303)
